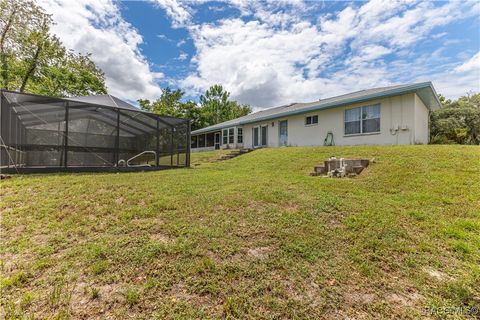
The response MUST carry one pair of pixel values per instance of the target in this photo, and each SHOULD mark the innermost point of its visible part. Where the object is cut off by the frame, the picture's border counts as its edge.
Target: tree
(170, 104)
(72, 75)
(216, 106)
(457, 121)
(33, 60)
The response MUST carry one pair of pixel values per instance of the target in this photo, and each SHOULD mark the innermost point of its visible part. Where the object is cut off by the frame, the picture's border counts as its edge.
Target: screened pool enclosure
(92, 133)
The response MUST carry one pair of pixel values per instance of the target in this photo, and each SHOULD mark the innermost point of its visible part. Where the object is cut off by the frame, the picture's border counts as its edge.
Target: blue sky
(274, 52)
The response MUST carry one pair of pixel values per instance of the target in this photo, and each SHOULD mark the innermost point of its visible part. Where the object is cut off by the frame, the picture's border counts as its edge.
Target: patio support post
(157, 161)
(171, 147)
(65, 137)
(117, 139)
(7, 138)
(189, 142)
(16, 141)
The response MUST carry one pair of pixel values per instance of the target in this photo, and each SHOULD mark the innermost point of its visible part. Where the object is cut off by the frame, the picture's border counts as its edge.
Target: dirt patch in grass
(96, 300)
(158, 236)
(437, 275)
(179, 291)
(259, 253)
(355, 298)
(401, 300)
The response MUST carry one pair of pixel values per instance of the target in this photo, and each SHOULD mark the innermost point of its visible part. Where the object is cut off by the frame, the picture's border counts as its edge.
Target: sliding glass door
(259, 135)
(256, 136)
(264, 135)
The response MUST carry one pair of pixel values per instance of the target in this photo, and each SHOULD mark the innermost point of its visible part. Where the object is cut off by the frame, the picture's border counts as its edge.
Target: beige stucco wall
(406, 113)
(421, 122)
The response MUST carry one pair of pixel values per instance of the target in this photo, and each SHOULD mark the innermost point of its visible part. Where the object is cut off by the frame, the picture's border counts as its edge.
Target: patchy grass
(199, 158)
(254, 236)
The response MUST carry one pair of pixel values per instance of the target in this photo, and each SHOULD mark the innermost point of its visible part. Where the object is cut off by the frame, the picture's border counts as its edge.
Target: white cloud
(176, 10)
(283, 57)
(473, 64)
(182, 56)
(96, 27)
(460, 79)
(276, 52)
(181, 42)
(439, 35)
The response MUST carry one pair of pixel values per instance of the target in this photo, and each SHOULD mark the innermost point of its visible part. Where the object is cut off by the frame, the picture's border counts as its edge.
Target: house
(380, 116)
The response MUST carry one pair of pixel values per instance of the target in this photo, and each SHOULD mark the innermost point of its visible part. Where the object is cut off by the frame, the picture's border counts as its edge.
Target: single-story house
(380, 116)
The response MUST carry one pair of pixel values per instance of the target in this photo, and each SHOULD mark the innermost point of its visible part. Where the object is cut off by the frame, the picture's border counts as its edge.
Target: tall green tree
(34, 60)
(170, 103)
(458, 121)
(217, 106)
(214, 107)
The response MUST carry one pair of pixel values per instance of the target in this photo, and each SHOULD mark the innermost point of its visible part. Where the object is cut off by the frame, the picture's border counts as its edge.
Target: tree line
(457, 121)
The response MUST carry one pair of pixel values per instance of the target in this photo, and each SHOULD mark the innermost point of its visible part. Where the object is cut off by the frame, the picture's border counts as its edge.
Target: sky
(273, 53)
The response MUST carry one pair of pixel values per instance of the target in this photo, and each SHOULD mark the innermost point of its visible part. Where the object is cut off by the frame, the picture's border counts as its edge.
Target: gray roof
(105, 100)
(425, 91)
(112, 101)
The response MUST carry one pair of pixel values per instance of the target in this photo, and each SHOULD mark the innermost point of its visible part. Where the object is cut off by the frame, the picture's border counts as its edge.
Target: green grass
(251, 237)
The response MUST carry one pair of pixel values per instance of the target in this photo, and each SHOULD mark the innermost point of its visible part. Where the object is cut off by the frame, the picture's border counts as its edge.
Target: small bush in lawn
(132, 296)
(95, 293)
(99, 267)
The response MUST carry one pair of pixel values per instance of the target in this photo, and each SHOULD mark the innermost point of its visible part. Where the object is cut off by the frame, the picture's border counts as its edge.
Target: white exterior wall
(202, 149)
(403, 112)
(422, 122)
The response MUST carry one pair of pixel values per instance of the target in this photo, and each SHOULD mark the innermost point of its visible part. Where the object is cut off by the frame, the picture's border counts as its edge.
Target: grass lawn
(251, 237)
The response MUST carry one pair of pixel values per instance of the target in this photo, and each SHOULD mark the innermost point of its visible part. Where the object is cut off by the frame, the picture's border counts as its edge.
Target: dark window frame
(225, 136)
(231, 135)
(311, 120)
(239, 135)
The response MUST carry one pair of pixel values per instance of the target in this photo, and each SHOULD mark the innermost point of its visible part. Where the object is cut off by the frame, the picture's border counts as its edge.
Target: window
(362, 120)
(225, 136)
(311, 120)
(231, 135)
(239, 135)
(371, 119)
(352, 120)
